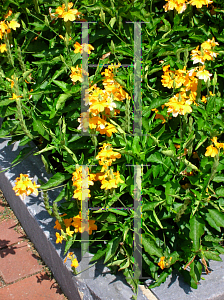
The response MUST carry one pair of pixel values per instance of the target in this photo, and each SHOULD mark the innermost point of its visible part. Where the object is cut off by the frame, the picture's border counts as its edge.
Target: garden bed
(103, 285)
(39, 227)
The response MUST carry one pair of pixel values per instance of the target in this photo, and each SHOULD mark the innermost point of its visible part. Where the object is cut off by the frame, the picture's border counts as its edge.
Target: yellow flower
(200, 3)
(14, 96)
(70, 15)
(203, 74)
(59, 238)
(218, 145)
(61, 37)
(24, 186)
(13, 24)
(106, 156)
(179, 105)
(3, 48)
(77, 74)
(3, 27)
(211, 151)
(81, 191)
(69, 232)
(60, 10)
(110, 180)
(179, 5)
(74, 263)
(69, 255)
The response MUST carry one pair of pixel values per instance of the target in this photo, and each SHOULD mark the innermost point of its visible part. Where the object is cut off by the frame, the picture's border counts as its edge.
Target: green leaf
(6, 102)
(212, 223)
(135, 144)
(112, 247)
(118, 212)
(63, 85)
(61, 100)
(196, 231)
(218, 179)
(39, 127)
(116, 262)
(220, 192)
(217, 216)
(212, 255)
(69, 244)
(162, 278)
(189, 164)
(151, 206)
(195, 272)
(202, 140)
(55, 180)
(151, 247)
(155, 158)
(98, 255)
(112, 22)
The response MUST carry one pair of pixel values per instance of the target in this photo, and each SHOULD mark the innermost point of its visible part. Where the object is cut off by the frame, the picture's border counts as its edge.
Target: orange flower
(80, 227)
(161, 263)
(57, 225)
(84, 47)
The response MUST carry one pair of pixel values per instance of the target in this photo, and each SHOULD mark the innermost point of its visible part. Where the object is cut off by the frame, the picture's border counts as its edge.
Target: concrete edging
(103, 286)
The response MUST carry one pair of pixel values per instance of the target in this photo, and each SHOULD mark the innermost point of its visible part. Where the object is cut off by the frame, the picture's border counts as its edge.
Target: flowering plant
(148, 161)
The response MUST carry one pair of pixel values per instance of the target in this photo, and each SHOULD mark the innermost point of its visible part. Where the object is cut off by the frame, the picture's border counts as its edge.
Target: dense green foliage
(182, 189)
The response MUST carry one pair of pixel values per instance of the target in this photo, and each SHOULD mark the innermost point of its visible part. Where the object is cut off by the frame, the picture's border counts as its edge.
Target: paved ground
(23, 275)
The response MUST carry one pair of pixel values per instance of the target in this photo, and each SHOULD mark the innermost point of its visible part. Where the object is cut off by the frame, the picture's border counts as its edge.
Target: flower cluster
(84, 47)
(213, 150)
(107, 177)
(5, 28)
(102, 104)
(74, 260)
(187, 80)
(24, 186)
(77, 223)
(82, 184)
(106, 156)
(206, 52)
(67, 14)
(77, 74)
(181, 5)
(163, 263)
